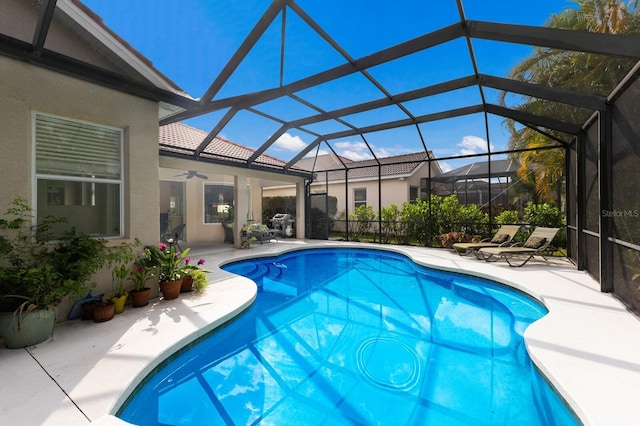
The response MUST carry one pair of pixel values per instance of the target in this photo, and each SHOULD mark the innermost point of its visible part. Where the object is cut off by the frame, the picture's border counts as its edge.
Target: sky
(190, 41)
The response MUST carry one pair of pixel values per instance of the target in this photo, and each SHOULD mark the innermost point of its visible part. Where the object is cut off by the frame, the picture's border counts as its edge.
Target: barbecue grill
(283, 224)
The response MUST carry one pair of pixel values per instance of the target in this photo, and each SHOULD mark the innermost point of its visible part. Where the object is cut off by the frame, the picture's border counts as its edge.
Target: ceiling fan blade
(191, 173)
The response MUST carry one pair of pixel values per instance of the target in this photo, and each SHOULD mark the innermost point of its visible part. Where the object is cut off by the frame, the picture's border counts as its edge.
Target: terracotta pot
(104, 311)
(140, 298)
(170, 289)
(187, 284)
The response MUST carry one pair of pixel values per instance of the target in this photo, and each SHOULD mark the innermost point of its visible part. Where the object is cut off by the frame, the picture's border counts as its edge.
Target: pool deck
(588, 345)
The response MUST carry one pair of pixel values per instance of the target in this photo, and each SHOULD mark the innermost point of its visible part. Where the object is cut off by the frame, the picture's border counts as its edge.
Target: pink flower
(162, 246)
(201, 262)
(187, 260)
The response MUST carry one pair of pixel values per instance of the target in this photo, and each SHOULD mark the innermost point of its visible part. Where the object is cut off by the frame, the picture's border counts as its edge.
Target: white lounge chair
(537, 243)
(501, 238)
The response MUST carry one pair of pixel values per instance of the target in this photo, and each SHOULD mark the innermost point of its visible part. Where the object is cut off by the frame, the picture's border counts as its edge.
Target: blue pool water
(358, 336)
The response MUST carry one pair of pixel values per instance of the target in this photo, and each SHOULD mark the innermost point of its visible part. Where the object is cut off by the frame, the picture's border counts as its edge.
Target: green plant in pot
(194, 277)
(122, 256)
(200, 280)
(141, 272)
(169, 268)
(119, 275)
(38, 270)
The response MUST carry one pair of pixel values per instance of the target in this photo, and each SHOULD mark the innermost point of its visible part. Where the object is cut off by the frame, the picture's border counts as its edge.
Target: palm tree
(581, 72)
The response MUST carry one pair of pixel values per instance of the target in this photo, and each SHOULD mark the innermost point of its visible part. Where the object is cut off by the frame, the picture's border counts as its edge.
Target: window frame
(357, 203)
(120, 183)
(204, 199)
(232, 204)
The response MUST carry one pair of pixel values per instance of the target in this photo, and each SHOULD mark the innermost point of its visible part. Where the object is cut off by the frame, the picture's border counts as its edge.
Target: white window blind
(72, 148)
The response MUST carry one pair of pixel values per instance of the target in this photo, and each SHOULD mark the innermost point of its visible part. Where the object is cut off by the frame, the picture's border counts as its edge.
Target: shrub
(508, 217)
(450, 238)
(415, 217)
(547, 215)
(389, 216)
(360, 221)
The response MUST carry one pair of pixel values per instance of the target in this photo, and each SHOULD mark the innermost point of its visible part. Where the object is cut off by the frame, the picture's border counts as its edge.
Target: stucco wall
(394, 189)
(24, 89)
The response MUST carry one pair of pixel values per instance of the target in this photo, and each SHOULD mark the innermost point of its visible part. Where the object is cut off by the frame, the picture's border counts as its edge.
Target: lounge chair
(501, 238)
(537, 243)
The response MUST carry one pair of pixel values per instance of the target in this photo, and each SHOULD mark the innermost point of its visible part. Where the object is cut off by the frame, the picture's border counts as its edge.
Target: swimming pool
(344, 336)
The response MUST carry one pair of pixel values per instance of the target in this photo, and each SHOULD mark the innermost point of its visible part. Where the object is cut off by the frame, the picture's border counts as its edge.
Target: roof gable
(181, 138)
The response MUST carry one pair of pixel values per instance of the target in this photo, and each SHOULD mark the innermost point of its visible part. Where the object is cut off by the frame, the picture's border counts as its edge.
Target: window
(424, 188)
(360, 197)
(413, 194)
(78, 167)
(218, 202)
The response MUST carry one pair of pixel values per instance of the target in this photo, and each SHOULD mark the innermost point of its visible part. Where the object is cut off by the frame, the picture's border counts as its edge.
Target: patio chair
(264, 235)
(501, 238)
(537, 243)
(173, 237)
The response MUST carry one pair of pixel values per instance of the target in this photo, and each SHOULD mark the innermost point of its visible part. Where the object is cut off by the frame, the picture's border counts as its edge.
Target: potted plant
(119, 275)
(38, 270)
(246, 237)
(200, 280)
(169, 268)
(141, 272)
(104, 310)
(189, 273)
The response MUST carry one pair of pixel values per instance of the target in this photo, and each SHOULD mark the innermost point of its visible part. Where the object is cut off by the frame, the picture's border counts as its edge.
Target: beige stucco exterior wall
(25, 89)
(394, 189)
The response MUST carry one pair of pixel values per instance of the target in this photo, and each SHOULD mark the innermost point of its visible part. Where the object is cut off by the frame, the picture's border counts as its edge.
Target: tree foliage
(577, 71)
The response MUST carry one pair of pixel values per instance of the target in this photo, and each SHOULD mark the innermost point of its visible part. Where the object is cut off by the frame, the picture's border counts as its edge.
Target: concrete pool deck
(588, 345)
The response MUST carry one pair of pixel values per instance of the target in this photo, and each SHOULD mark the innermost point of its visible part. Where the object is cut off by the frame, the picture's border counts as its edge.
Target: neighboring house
(470, 182)
(405, 181)
(79, 117)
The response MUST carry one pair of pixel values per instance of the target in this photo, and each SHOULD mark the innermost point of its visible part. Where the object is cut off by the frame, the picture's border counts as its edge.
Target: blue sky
(190, 41)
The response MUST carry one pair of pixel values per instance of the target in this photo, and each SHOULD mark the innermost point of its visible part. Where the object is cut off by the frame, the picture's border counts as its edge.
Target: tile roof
(323, 162)
(404, 164)
(183, 139)
(480, 170)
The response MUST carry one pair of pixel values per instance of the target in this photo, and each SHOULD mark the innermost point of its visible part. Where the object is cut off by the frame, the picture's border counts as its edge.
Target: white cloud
(356, 155)
(347, 145)
(472, 145)
(355, 151)
(290, 143)
(320, 152)
(358, 151)
(445, 166)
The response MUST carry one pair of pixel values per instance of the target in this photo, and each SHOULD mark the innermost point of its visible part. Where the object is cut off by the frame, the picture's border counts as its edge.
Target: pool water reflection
(358, 336)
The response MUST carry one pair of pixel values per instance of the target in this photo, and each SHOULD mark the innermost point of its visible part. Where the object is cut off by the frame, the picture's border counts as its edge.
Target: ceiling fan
(191, 173)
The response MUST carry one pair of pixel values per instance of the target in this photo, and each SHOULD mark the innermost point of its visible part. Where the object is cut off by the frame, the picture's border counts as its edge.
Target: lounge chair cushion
(500, 238)
(535, 242)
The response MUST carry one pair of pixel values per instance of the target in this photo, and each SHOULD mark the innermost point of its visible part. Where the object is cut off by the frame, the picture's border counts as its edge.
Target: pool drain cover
(388, 363)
